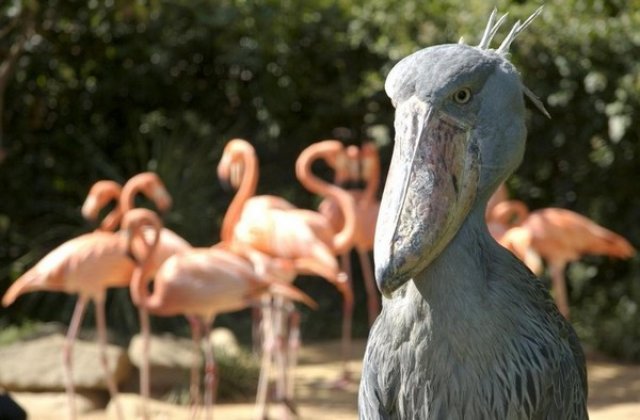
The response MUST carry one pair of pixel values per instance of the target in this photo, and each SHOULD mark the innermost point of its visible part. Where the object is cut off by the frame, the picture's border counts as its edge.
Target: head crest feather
(490, 32)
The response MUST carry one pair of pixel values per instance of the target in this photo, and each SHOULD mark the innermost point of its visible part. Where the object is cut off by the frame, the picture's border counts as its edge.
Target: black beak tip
(226, 185)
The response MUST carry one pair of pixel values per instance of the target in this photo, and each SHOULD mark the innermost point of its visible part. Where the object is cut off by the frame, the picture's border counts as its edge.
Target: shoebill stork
(466, 330)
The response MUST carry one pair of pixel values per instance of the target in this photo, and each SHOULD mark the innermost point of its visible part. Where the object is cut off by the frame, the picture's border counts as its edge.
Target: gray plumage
(466, 331)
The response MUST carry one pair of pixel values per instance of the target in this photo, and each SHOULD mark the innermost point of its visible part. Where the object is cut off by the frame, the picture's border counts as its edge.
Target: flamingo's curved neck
(111, 220)
(373, 183)
(140, 279)
(510, 212)
(129, 192)
(246, 190)
(342, 240)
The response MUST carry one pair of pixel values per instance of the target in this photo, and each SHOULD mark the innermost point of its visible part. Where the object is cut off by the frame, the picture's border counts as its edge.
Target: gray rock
(224, 341)
(36, 365)
(167, 351)
(170, 360)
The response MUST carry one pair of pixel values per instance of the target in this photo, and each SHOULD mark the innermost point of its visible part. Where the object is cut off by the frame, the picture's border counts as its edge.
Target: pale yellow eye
(462, 96)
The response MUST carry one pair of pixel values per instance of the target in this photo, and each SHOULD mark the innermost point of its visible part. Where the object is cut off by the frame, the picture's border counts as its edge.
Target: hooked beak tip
(88, 215)
(164, 201)
(388, 287)
(388, 281)
(89, 209)
(166, 206)
(226, 185)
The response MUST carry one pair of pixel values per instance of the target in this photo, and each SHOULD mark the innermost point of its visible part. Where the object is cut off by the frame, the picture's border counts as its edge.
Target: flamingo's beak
(431, 185)
(162, 198)
(129, 234)
(230, 174)
(223, 174)
(90, 208)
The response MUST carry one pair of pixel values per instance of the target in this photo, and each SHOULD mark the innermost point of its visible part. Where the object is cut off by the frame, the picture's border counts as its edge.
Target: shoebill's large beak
(430, 188)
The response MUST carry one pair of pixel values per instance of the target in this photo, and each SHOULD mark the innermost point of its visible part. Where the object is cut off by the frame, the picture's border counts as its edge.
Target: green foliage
(238, 378)
(12, 333)
(108, 89)
(238, 375)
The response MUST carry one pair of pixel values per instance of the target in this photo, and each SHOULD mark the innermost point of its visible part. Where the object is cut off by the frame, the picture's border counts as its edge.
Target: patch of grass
(29, 329)
(237, 378)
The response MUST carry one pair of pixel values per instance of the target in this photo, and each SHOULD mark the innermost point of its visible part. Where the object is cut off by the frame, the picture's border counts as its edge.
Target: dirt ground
(614, 393)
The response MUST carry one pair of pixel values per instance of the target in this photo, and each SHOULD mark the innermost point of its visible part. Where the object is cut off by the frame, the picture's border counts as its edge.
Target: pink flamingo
(559, 236)
(86, 265)
(201, 283)
(360, 165)
(367, 169)
(276, 228)
(150, 185)
(169, 243)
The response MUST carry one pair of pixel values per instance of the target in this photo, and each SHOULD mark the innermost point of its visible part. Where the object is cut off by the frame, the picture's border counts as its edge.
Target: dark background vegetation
(105, 89)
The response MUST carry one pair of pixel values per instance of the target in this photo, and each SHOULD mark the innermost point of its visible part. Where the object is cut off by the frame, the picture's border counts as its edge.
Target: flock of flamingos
(265, 243)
